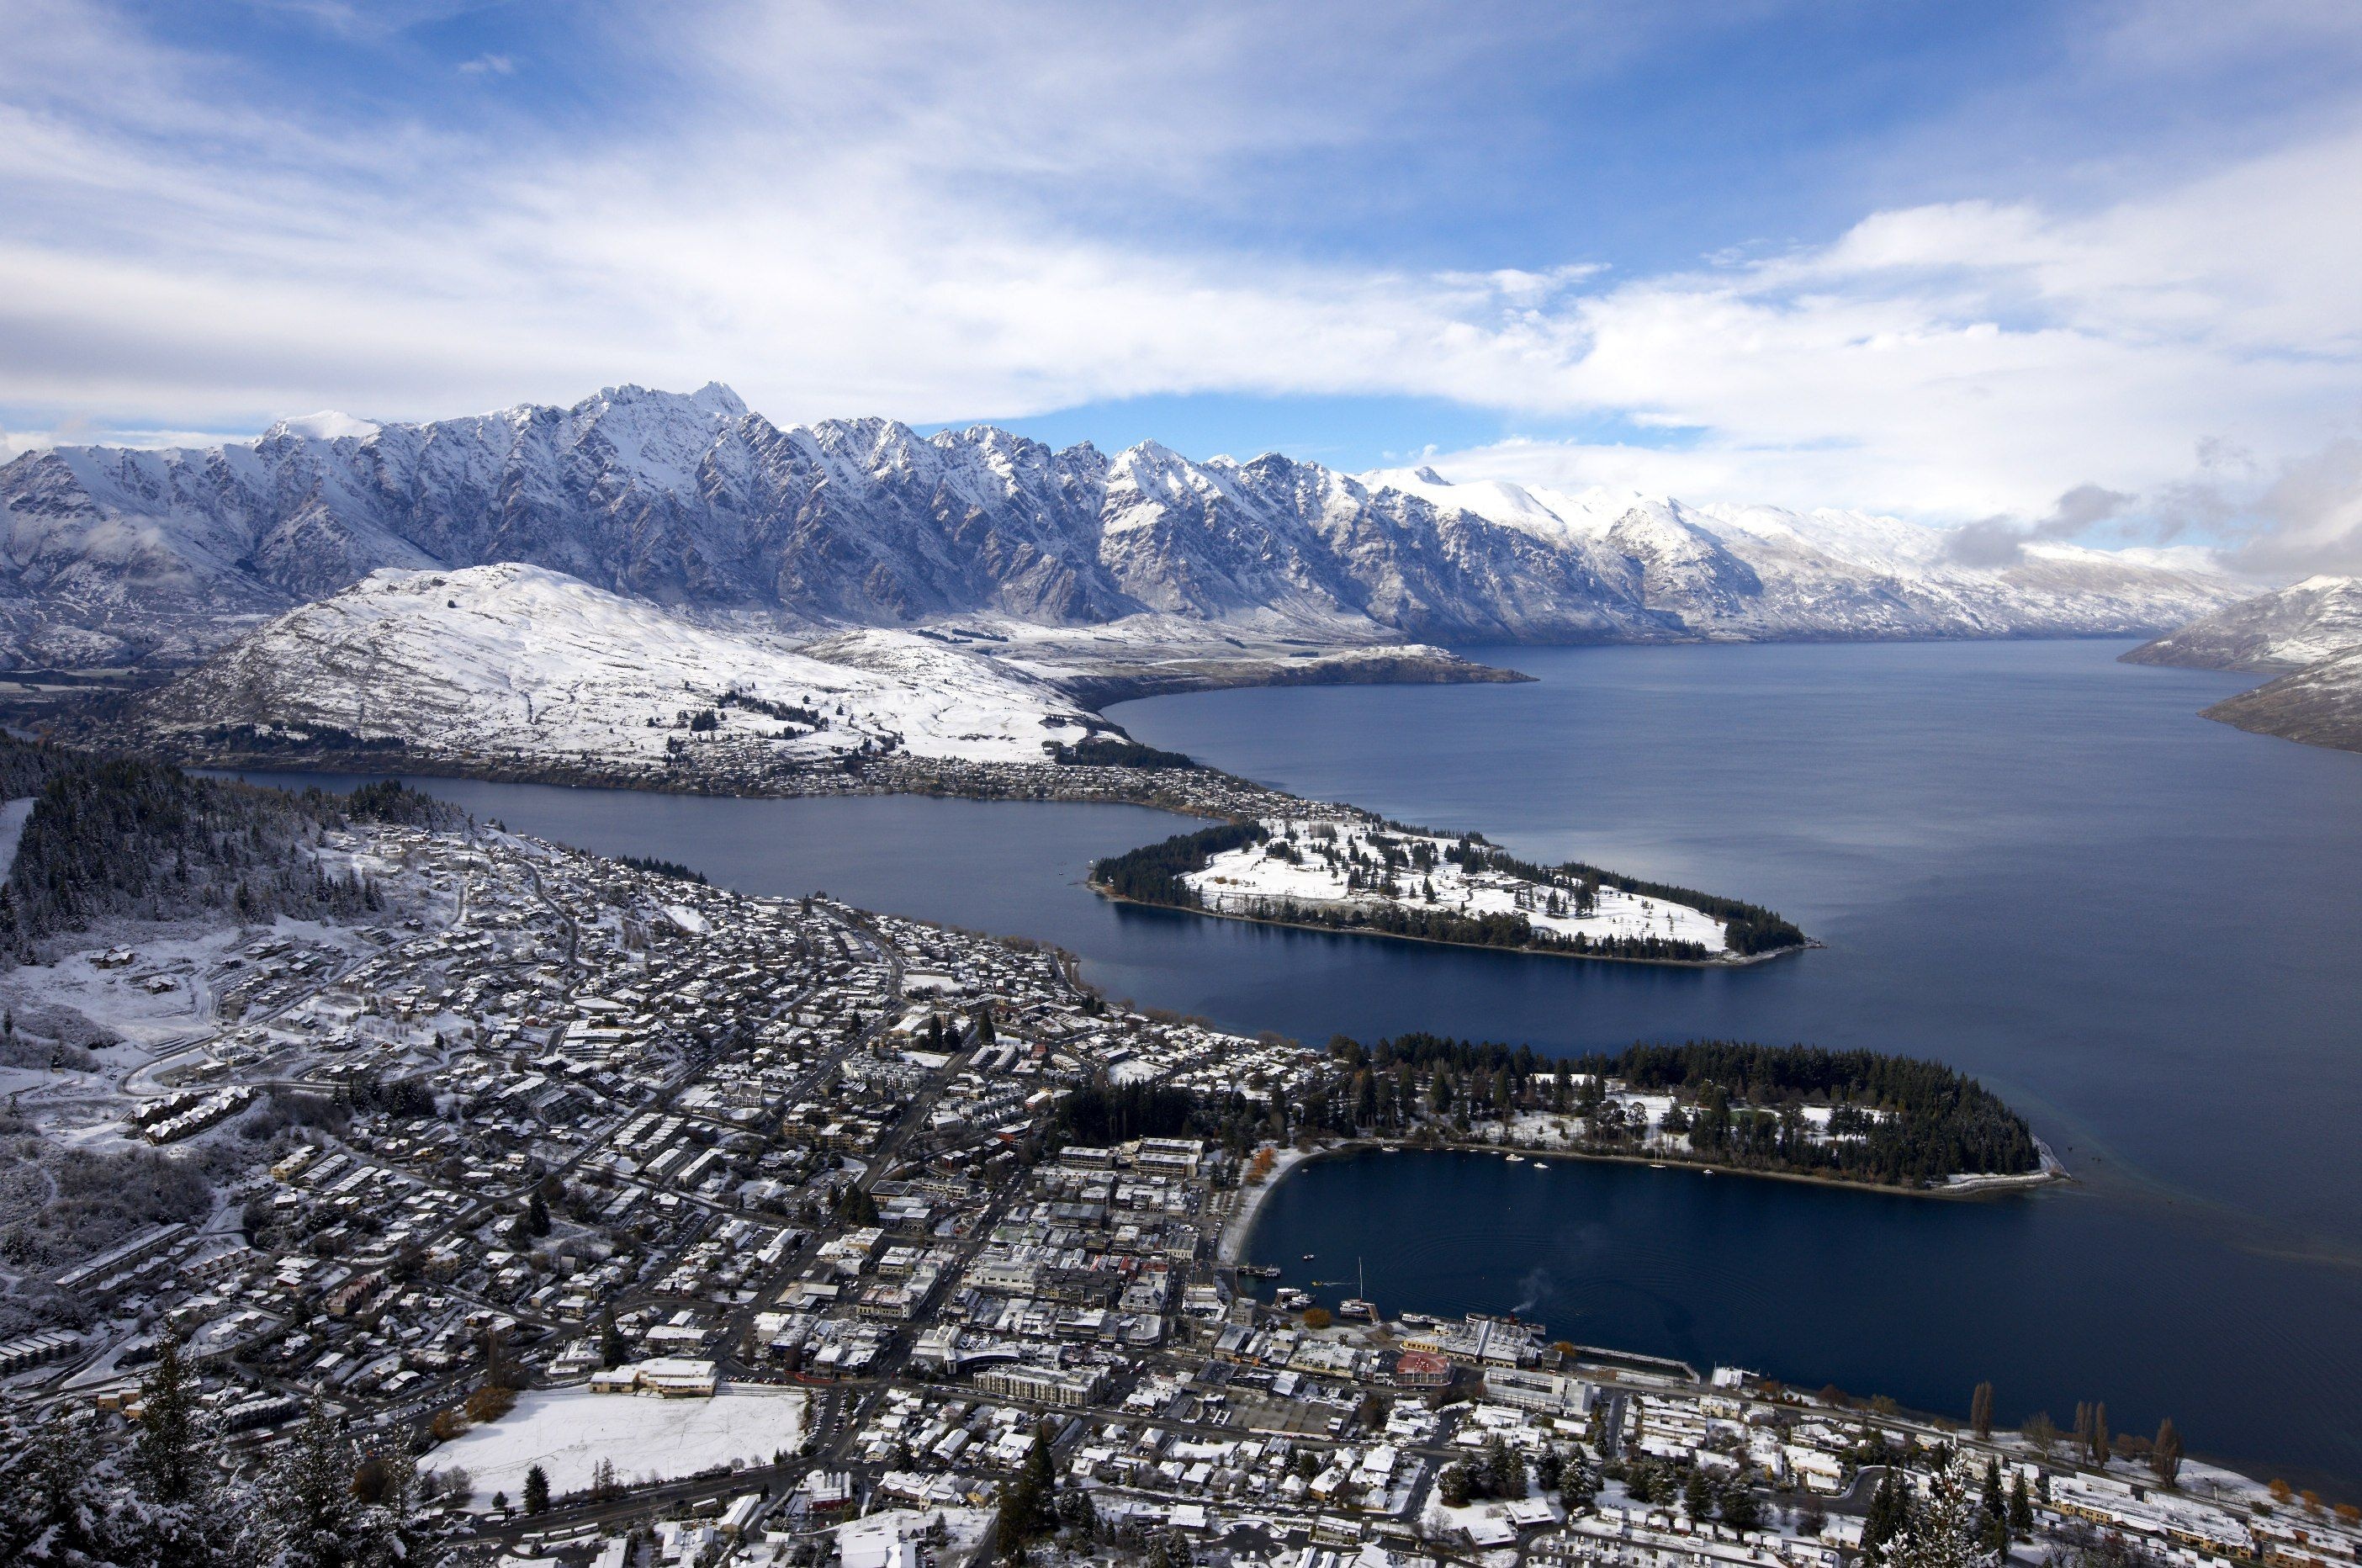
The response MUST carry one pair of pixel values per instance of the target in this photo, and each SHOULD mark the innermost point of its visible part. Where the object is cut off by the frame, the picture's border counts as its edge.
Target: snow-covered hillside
(2319, 704)
(2286, 629)
(520, 661)
(2313, 630)
(693, 502)
(1330, 864)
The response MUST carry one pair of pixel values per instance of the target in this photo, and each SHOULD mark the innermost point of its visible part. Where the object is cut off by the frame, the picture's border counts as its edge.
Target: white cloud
(1976, 357)
(942, 212)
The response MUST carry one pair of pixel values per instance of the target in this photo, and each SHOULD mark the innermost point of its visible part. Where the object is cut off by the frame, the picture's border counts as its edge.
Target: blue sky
(1950, 260)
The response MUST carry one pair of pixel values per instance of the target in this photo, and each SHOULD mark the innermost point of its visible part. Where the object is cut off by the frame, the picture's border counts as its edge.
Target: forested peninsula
(1857, 1117)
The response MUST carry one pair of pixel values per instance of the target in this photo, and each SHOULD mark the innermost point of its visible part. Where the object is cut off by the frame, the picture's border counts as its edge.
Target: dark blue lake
(2027, 860)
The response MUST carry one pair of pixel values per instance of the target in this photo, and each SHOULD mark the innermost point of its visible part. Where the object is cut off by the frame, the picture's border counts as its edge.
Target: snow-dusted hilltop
(2313, 630)
(521, 666)
(1359, 867)
(696, 504)
(2286, 629)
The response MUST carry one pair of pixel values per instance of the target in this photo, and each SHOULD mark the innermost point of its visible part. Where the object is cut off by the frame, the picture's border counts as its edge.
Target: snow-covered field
(1255, 880)
(568, 1430)
(525, 661)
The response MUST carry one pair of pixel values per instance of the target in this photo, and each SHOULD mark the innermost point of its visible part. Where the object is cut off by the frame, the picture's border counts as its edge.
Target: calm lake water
(2027, 860)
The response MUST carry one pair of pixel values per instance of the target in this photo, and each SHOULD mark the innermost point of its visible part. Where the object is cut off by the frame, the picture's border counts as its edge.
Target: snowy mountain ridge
(693, 502)
(2286, 629)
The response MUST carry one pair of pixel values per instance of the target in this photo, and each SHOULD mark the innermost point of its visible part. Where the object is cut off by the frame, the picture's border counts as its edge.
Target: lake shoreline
(1238, 1231)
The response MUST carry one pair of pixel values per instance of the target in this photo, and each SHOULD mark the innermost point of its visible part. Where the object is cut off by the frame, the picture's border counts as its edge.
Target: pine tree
(537, 1490)
(1889, 1517)
(54, 1509)
(1010, 1538)
(1451, 1487)
(2021, 1509)
(1042, 1481)
(179, 1521)
(1992, 1511)
(1504, 1470)
(537, 1215)
(1028, 1503)
(610, 1338)
(307, 1515)
(1942, 1533)
(165, 1459)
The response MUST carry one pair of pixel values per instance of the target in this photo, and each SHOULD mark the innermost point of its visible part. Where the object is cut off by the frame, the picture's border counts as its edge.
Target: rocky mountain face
(695, 503)
(2311, 631)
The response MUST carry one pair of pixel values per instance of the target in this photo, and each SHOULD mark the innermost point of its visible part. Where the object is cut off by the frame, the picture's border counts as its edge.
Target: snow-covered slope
(2319, 704)
(2312, 629)
(694, 503)
(2286, 629)
(1320, 865)
(522, 662)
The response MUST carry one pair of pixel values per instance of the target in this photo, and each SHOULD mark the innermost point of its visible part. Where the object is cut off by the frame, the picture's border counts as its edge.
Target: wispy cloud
(947, 212)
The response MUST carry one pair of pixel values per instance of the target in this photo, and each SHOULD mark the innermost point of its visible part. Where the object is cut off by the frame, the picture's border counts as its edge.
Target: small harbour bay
(2028, 861)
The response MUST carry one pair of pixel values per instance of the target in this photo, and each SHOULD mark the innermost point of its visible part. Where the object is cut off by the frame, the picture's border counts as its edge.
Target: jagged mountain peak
(713, 401)
(690, 500)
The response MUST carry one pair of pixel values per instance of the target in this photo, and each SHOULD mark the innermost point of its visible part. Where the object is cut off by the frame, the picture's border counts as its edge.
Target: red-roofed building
(1422, 1369)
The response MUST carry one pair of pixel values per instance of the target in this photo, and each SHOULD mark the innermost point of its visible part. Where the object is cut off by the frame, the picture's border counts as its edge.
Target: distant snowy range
(973, 594)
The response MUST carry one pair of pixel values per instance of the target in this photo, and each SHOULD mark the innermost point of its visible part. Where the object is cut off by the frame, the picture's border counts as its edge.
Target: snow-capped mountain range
(693, 502)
